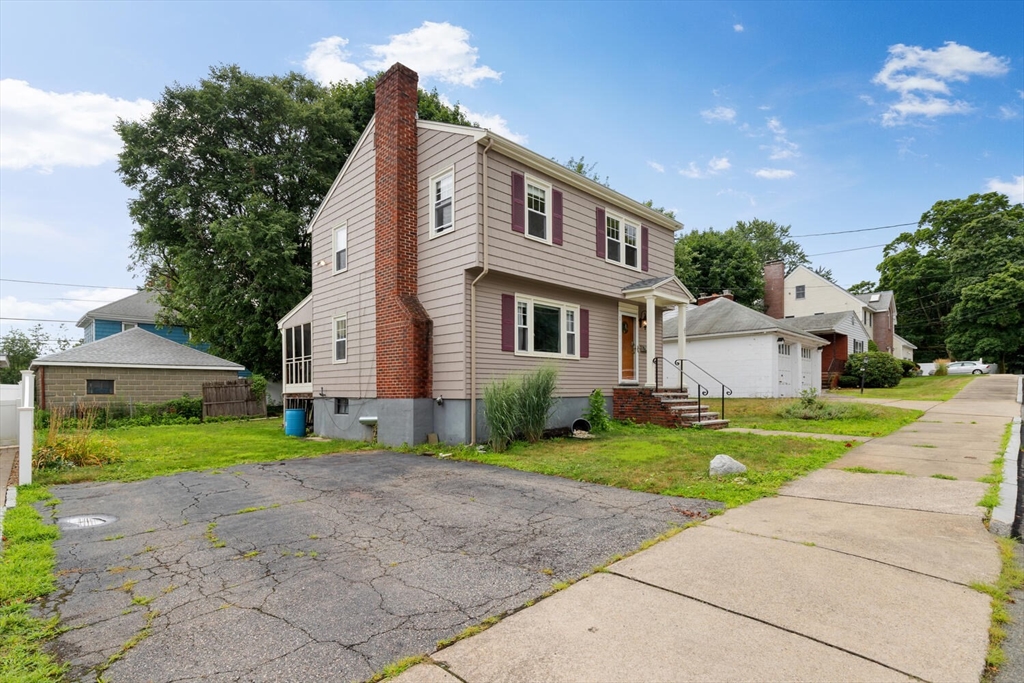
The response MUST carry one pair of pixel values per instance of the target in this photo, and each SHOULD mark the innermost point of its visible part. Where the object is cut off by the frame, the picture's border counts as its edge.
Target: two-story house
(805, 293)
(137, 310)
(446, 257)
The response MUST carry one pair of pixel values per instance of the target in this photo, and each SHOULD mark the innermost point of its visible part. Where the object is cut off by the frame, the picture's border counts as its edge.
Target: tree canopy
(228, 174)
(21, 348)
(712, 261)
(962, 249)
(772, 242)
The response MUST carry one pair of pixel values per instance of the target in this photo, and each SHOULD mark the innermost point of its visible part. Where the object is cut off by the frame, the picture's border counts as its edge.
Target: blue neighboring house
(138, 310)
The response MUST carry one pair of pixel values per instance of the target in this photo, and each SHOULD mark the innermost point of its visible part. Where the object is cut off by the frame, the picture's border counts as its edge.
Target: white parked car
(971, 367)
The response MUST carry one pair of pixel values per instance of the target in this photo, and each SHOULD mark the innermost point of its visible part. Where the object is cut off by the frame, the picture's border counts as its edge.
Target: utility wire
(843, 251)
(846, 232)
(38, 320)
(62, 284)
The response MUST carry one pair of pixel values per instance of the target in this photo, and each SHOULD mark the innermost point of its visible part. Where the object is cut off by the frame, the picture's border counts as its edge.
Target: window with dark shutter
(508, 322)
(518, 202)
(556, 217)
(600, 232)
(643, 248)
(584, 333)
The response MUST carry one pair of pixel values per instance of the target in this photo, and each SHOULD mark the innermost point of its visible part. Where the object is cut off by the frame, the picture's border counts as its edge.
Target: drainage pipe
(472, 304)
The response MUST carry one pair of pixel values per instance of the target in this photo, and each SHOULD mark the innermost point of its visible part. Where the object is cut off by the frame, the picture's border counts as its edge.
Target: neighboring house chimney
(403, 326)
(704, 298)
(775, 289)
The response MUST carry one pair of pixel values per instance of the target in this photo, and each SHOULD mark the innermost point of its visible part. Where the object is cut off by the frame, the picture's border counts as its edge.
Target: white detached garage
(755, 355)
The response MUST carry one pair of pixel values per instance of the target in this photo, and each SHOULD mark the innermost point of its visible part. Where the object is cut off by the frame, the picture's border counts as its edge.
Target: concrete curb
(1003, 516)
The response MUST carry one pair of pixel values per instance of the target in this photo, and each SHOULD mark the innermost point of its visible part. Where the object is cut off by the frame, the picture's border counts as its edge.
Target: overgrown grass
(671, 461)
(1011, 578)
(27, 573)
(916, 389)
(851, 419)
(152, 451)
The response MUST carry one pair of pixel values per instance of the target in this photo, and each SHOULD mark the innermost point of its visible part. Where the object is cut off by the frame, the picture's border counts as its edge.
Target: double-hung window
(801, 291)
(442, 203)
(538, 210)
(340, 248)
(622, 238)
(546, 328)
(341, 339)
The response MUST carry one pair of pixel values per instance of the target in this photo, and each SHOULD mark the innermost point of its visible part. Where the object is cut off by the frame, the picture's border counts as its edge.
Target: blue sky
(823, 116)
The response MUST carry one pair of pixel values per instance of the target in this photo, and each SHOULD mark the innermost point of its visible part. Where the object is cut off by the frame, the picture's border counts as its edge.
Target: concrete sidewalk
(842, 577)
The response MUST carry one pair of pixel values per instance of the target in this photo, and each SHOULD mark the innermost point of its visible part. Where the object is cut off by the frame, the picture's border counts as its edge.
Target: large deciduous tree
(228, 174)
(711, 261)
(942, 267)
(772, 242)
(988, 320)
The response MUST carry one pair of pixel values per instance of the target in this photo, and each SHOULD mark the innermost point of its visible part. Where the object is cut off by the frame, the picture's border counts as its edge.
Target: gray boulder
(723, 464)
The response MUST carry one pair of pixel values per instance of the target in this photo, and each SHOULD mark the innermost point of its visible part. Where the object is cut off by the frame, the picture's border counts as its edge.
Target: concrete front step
(712, 424)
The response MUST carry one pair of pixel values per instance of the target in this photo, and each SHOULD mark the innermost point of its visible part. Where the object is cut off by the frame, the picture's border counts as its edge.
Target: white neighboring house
(902, 348)
(753, 354)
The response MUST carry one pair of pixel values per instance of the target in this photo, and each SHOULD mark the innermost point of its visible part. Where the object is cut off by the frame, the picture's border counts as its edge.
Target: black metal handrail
(726, 391)
(701, 390)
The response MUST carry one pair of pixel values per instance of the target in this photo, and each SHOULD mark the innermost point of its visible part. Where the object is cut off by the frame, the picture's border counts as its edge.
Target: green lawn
(915, 389)
(144, 452)
(671, 461)
(862, 420)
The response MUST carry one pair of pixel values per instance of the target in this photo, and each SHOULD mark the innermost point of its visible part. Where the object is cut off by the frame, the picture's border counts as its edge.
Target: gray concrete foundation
(327, 423)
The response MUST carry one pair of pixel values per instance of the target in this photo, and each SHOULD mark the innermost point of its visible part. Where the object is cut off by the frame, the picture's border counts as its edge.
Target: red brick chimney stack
(775, 289)
(403, 326)
(704, 298)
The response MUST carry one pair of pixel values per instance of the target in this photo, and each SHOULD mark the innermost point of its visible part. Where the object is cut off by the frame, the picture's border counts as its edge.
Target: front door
(627, 371)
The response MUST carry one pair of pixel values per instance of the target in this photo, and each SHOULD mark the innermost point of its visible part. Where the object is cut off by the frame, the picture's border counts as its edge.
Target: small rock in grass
(723, 464)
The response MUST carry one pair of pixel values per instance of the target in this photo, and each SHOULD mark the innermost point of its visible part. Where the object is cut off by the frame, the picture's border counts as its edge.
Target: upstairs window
(128, 326)
(537, 211)
(340, 249)
(622, 241)
(442, 203)
(341, 339)
(801, 292)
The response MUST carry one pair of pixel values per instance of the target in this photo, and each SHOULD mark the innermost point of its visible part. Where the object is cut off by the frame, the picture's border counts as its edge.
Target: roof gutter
(472, 304)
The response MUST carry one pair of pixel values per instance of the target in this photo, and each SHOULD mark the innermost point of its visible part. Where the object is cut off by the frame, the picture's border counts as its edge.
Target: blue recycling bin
(295, 422)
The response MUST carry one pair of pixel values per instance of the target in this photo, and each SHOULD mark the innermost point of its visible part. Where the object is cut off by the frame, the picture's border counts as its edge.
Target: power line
(846, 232)
(61, 284)
(843, 251)
(38, 320)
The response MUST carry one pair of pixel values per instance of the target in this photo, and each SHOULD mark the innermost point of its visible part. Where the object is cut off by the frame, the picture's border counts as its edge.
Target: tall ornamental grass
(519, 406)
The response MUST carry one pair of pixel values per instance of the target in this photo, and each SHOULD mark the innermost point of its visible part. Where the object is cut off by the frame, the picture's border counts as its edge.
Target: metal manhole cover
(85, 521)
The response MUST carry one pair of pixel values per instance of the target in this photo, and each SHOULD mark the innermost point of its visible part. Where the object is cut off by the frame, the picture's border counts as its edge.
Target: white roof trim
(903, 341)
(298, 307)
(521, 154)
(470, 131)
(776, 332)
(80, 364)
(337, 181)
(633, 294)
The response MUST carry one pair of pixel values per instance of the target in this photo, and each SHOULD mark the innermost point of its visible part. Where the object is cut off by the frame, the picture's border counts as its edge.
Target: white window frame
(548, 213)
(524, 304)
(335, 338)
(127, 326)
(432, 202)
(785, 349)
(624, 224)
(801, 291)
(805, 353)
(342, 231)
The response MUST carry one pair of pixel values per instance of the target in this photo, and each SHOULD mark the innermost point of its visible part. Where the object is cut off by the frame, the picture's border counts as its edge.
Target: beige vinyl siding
(577, 377)
(444, 259)
(575, 263)
(351, 293)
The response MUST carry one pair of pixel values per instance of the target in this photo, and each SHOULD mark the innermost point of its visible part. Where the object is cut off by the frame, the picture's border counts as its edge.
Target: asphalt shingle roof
(140, 307)
(820, 323)
(884, 299)
(135, 348)
(649, 282)
(724, 316)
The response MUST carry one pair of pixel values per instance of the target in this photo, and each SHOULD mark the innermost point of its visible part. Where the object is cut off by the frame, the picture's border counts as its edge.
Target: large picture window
(623, 242)
(537, 211)
(340, 339)
(340, 248)
(442, 202)
(546, 328)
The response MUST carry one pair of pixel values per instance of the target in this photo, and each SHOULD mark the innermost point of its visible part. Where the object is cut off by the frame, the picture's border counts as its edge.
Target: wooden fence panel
(232, 397)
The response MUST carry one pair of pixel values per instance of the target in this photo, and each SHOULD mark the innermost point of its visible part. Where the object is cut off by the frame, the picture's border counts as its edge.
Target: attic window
(875, 298)
(801, 292)
(127, 326)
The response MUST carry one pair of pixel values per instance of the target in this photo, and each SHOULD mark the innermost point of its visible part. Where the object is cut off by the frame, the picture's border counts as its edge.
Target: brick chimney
(726, 294)
(775, 289)
(403, 326)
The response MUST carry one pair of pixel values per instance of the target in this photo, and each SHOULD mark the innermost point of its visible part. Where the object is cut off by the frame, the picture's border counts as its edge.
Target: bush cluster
(597, 413)
(518, 406)
(883, 370)
(909, 367)
(811, 407)
(70, 445)
(184, 410)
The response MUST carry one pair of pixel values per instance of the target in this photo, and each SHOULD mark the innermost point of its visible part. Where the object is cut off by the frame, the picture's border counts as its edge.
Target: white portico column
(652, 339)
(681, 341)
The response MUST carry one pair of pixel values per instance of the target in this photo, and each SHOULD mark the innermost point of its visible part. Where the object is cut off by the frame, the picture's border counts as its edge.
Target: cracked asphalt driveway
(321, 569)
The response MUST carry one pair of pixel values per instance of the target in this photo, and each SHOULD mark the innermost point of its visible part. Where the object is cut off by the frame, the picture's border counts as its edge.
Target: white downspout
(472, 307)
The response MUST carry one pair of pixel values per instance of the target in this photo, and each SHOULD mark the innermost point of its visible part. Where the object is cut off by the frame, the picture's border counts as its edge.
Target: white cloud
(736, 193)
(922, 79)
(492, 122)
(738, 28)
(868, 100)
(44, 129)
(726, 114)
(715, 166)
(326, 62)
(1008, 113)
(781, 148)
(434, 50)
(774, 173)
(656, 166)
(1014, 189)
(68, 305)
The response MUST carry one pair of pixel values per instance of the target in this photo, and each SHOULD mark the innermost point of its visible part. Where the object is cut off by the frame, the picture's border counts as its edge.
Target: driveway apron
(321, 569)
